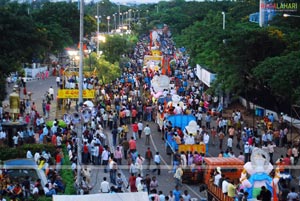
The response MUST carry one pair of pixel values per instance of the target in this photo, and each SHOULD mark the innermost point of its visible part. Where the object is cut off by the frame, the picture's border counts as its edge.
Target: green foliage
(20, 152)
(281, 75)
(116, 46)
(105, 71)
(63, 13)
(67, 174)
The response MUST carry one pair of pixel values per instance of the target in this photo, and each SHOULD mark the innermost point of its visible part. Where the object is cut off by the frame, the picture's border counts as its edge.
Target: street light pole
(223, 13)
(119, 16)
(108, 18)
(98, 22)
(80, 97)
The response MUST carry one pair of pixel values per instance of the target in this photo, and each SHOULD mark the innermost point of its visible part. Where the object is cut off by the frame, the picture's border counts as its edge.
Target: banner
(74, 93)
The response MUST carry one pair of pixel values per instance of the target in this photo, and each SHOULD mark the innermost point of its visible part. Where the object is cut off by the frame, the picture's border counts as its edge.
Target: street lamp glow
(288, 15)
(223, 13)
(73, 52)
(101, 38)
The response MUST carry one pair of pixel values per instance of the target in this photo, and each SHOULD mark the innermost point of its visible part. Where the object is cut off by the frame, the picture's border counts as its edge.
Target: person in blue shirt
(176, 193)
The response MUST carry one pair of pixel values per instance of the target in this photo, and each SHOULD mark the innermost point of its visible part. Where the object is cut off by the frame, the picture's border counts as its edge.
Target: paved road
(166, 183)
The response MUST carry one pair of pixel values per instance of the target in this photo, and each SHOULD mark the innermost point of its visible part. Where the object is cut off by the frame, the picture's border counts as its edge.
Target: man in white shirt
(147, 132)
(157, 162)
(16, 140)
(206, 141)
(2, 135)
(104, 186)
(138, 180)
(229, 143)
(225, 186)
(217, 177)
(140, 129)
(105, 157)
(51, 92)
(57, 81)
(190, 139)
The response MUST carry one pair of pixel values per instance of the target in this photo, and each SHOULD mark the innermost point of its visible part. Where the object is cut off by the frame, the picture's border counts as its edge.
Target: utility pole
(80, 98)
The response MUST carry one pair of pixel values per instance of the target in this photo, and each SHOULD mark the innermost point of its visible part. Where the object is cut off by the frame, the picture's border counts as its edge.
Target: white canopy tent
(139, 196)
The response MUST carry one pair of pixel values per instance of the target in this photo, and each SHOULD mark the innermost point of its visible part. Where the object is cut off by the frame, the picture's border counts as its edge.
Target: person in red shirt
(85, 153)
(132, 145)
(133, 114)
(250, 140)
(131, 183)
(53, 139)
(134, 130)
(17, 192)
(287, 160)
(58, 161)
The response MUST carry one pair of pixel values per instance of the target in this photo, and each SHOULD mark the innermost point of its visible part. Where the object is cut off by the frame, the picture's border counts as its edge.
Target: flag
(275, 198)
(150, 40)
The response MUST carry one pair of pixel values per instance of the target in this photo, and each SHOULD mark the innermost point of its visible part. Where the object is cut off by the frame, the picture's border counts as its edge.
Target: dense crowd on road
(119, 122)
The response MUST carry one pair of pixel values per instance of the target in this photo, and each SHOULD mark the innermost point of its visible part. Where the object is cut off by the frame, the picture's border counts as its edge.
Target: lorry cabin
(230, 167)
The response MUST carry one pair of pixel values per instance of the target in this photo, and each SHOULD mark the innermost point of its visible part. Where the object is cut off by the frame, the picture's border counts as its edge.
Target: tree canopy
(248, 59)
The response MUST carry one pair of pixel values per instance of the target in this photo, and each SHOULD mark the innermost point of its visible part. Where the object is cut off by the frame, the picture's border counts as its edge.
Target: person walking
(157, 163)
(105, 157)
(47, 110)
(139, 163)
(51, 92)
(247, 150)
(114, 133)
(178, 176)
(148, 157)
(131, 183)
(132, 145)
(206, 141)
(135, 129)
(221, 138)
(140, 129)
(125, 146)
(147, 132)
(118, 155)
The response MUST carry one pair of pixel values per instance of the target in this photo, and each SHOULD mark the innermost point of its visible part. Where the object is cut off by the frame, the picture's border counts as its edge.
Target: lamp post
(115, 21)
(119, 16)
(122, 18)
(223, 13)
(129, 16)
(80, 97)
(98, 24)
(108, 18)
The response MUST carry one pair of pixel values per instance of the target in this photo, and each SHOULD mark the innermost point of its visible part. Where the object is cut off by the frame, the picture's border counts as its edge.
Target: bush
(67, 175)
(8, 153)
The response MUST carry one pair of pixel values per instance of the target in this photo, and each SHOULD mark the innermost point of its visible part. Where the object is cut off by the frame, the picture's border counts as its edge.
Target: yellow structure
(74, 93)
(14, 104)
(200, 148)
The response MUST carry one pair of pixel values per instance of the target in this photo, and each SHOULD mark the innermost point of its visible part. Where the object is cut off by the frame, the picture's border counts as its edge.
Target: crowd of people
(124, 109)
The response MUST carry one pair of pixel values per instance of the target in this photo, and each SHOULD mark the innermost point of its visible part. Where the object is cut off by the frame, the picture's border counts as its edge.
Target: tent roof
(139, 196)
